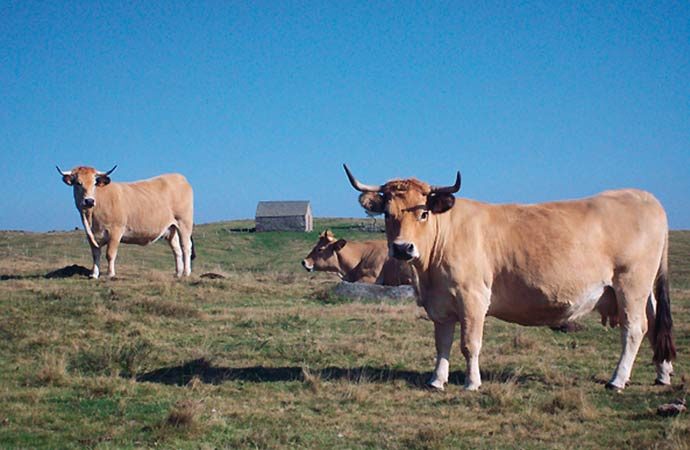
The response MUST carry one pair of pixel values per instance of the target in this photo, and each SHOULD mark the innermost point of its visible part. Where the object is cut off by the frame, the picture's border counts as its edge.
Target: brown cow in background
(361, 261)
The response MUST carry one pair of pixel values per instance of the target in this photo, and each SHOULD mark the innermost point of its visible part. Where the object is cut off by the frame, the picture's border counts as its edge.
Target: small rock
(674, 408)
(374, 292)
(212, 276)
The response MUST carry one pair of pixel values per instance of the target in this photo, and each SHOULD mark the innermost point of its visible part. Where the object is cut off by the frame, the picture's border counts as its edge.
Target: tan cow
(542, 264)
(362, 261)
(134, 213)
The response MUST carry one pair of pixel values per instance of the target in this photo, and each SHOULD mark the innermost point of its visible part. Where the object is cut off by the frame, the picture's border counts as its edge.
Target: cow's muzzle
(88, 203)
(404, 251)
(307, 265)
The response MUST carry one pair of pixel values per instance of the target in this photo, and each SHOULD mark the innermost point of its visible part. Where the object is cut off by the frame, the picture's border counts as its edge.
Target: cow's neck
(347, 259)
(442, 235)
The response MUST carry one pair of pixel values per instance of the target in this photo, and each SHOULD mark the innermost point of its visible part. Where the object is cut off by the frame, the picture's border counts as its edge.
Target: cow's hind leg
(174, 241)
(185, 233)
(443, 335)
(632, 302)
(664, 369)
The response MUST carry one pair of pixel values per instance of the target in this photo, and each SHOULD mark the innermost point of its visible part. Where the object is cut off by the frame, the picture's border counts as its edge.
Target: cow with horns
(541, 264)
(140, 212)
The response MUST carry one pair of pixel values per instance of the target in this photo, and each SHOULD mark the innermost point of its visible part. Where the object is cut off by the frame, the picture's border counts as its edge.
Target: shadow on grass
(65, 272)
(207, 373)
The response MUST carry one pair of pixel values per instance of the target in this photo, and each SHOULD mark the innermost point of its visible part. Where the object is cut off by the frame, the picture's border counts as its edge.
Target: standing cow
(134, 213)
(543, 264)
(361, 261)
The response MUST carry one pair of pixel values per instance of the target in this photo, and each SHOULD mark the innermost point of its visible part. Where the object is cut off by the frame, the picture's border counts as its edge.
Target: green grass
(264, 358)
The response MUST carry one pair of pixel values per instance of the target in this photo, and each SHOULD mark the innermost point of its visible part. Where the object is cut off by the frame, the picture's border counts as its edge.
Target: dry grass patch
(311, 381)
(497, 395)
(570, 401)
(52, 371)
(165, 308)
(184, 414)
(123, 358)
(427, 438)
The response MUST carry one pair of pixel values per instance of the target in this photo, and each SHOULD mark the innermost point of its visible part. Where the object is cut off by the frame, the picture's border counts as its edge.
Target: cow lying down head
(357, 261)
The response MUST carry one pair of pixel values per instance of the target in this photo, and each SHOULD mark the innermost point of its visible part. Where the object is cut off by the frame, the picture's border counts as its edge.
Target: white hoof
(663, 381)
(436, 384)
(614, 387)
(472, 387)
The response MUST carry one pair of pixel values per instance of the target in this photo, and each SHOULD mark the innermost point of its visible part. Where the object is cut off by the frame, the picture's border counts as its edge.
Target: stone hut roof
(282, 209)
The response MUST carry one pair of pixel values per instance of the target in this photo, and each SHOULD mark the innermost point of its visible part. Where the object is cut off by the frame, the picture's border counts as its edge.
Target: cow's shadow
(204, 371)
(74, 270)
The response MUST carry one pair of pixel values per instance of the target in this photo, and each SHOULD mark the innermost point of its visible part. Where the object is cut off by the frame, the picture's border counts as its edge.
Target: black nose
(89, 202)
(403, 250)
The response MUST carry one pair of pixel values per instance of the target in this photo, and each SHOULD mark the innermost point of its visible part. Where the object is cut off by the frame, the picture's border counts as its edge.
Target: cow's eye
(423, 216)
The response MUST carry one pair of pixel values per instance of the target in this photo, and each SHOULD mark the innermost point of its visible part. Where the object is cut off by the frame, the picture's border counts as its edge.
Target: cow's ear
(67, 179)
(103, 180)
(440, 203)
(372, 202)
(339, 244)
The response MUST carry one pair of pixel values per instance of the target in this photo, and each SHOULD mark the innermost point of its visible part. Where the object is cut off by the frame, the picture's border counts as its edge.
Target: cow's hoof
(436, 385)
(93, 276)
(612, 387)
(472, 387)
(660, 382)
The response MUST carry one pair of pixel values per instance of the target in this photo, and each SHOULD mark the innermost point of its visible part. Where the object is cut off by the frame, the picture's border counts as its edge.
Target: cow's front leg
(443, 335)
(96, 256)
(111, 253)
(472, 332)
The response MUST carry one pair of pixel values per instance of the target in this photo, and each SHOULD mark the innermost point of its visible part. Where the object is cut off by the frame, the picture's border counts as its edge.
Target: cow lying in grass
(362, 261)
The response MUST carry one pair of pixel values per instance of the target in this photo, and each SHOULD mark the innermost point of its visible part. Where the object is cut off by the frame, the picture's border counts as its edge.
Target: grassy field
(266, 358)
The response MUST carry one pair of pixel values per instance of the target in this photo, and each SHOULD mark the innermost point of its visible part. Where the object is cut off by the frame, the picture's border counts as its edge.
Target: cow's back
(555, 256)
(147, 208)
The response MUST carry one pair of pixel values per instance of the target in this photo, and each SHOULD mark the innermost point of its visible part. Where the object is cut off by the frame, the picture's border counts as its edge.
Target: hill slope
(267, 358)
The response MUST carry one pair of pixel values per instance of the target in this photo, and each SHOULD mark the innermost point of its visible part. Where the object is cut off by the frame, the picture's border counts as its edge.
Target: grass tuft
(184, 414)
(428, 438)
(569, 401)
(311, 381)
(120, 358)
(52, 372)
(158, 307)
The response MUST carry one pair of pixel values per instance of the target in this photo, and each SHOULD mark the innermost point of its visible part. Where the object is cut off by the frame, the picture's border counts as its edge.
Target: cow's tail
(664, 348)
(193, 251)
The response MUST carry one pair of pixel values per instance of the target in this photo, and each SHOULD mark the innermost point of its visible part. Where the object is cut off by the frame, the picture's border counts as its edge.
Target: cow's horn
(448, 189)
(359, 186)
(63, 173)
(108, 172)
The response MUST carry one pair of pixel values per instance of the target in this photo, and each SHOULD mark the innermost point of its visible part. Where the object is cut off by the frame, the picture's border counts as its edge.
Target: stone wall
(291, 223)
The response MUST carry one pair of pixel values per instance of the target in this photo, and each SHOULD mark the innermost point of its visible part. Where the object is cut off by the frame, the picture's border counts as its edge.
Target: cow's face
(323, 256)
(410, 208)
(84, 182)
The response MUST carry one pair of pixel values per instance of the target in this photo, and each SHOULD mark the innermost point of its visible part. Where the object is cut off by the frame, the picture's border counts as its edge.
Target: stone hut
(284, 216)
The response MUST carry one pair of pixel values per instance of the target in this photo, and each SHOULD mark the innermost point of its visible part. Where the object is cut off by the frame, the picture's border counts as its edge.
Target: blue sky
(530, 100)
